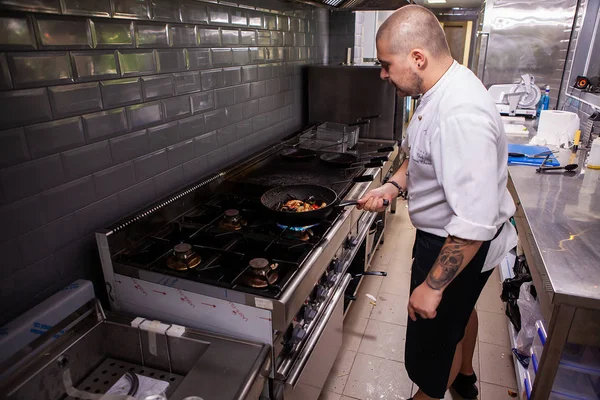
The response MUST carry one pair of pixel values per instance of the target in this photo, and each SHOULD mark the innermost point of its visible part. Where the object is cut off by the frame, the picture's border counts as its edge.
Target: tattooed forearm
(449, 262)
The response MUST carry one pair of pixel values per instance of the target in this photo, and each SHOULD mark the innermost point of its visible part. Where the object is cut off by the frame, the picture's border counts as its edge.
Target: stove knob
(321, 294)
(298, 334)
(351, 242)
(336, 266)
(331, 279)
(310, 312)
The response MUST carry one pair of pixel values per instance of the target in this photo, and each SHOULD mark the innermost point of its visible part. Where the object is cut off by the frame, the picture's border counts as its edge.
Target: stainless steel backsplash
(107, 105)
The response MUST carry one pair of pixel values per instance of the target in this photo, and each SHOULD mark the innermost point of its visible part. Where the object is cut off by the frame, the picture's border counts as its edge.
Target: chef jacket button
(420, 117)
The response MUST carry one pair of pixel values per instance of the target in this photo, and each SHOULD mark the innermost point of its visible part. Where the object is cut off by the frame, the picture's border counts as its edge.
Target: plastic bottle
(544, 102)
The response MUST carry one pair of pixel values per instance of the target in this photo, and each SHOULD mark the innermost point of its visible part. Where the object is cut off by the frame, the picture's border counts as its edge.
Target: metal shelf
(506, 272)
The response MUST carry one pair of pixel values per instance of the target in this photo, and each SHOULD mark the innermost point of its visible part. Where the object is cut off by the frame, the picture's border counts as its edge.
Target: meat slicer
(517, 99)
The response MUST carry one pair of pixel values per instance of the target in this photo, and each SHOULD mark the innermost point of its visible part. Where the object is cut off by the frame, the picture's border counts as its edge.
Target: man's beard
(411, 89)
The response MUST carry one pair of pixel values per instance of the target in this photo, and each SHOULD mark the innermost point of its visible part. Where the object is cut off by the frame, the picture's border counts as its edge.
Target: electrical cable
(135, 383)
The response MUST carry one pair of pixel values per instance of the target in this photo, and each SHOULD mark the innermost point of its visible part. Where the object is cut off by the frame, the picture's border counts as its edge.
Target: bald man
(455, 174)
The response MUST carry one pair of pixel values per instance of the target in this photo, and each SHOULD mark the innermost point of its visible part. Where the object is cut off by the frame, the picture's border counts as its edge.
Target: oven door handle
(298, 368)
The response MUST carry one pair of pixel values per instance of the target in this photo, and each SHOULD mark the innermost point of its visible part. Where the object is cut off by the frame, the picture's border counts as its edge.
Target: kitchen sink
(90, 351)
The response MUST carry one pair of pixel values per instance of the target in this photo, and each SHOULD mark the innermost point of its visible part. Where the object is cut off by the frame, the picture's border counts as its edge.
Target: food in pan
(295, 205)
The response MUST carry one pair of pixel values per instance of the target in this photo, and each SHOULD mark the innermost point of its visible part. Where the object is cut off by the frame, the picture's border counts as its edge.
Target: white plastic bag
(530, 312)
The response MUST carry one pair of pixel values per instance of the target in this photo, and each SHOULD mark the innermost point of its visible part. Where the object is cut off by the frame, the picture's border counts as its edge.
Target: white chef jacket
(457, 169)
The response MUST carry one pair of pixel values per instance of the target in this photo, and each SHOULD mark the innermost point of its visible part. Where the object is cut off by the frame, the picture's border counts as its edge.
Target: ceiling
(452, 3)
(365, 5)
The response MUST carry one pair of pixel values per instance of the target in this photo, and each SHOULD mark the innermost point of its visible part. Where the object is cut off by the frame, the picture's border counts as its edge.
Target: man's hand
(424, 301)
(373, 200)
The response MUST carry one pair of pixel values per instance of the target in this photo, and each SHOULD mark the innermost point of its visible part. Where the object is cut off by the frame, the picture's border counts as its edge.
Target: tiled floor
(370, 365)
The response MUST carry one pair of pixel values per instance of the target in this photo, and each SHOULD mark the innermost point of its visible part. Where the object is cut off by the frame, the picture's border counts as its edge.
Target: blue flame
(296, 228)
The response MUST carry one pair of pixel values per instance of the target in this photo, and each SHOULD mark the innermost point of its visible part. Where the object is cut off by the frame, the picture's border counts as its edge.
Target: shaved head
(413, 27)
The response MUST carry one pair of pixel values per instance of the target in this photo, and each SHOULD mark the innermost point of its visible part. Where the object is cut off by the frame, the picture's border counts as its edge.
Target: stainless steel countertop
(563, 213)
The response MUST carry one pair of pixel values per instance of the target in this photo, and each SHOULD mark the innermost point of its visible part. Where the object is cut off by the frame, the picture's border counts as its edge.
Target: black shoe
(465, 386)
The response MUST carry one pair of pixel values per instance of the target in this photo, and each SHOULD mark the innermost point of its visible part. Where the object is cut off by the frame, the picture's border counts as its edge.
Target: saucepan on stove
(321, 199)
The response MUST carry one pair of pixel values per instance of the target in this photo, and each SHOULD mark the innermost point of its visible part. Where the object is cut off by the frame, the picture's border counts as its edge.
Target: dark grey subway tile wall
(120, 92)
(157, 86)
(93, 65)
(202, 102)
(107, 104)
(76, 99)
(105, 124)
(187, 82)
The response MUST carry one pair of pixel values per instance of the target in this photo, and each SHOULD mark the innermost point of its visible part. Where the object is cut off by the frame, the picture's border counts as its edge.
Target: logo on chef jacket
(422, 157)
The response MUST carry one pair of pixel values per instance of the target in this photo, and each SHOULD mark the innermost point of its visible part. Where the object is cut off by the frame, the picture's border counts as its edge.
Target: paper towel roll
(557, 127)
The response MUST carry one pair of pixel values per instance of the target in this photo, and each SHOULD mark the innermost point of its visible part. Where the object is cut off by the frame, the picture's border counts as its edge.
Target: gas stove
(223, 242)
(212, 257)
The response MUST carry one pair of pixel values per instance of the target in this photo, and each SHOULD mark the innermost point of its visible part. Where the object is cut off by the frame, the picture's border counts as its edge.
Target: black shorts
(431, 343)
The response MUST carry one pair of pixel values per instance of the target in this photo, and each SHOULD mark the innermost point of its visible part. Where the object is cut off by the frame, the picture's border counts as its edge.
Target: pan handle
(359, 123)
(382, 158)
(346, 203)
(370, 273)
(370, 117)
(375, 164)
(363, 178)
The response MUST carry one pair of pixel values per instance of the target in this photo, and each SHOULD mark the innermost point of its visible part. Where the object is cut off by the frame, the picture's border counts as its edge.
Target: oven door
(306, 379)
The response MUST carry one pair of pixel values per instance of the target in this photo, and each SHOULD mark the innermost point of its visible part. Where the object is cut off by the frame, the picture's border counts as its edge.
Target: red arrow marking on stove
(210, 305)
(163, 293)
(266, 319)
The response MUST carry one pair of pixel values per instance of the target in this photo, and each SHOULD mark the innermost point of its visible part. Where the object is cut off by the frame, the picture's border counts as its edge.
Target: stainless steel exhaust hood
(358, 5)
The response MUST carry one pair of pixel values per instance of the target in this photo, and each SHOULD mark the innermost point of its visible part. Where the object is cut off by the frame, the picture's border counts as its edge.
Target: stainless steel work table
(558, 219)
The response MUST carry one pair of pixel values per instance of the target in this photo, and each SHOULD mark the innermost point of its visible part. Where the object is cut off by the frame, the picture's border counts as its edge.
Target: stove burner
(232, 220)
(260, 282)
(183, 258)
(259, 263)
(303, 233)
(232, 215)
(261, 273)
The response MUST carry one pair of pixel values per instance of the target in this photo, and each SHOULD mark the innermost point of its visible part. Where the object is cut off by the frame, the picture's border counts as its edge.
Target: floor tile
(354, 328)
(348, 398)
(496, 363)
(374, 378)
(493, 328)
(396, 251)
(397, 282)
(489, 300)
(362, 306)
(340, 372)
(384, 340)
(329, 396)
(495, 392)
(391, 308)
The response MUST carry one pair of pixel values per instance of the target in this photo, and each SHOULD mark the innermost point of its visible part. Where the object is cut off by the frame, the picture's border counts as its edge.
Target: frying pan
(273, 198)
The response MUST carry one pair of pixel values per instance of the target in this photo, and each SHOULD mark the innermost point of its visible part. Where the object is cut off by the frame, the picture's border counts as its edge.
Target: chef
(455, 173)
